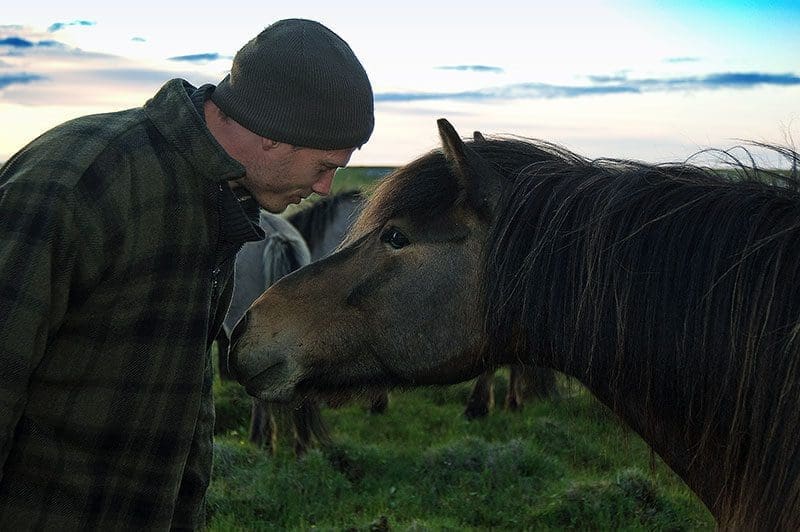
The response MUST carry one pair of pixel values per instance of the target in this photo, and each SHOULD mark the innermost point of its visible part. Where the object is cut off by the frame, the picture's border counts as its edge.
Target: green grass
(358, 177)
(422, 466)
(364, 178)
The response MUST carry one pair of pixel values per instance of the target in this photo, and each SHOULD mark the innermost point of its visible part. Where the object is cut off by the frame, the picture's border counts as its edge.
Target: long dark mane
(673, 284)
(671, 291)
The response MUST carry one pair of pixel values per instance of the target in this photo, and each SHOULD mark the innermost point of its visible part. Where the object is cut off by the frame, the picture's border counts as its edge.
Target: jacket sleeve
(36, 259)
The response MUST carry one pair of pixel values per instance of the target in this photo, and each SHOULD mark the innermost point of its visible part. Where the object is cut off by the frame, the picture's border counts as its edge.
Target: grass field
(358, 177)
(565, 464)
(363, 178)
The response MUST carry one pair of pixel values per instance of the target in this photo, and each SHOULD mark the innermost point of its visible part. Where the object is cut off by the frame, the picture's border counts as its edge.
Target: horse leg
(302, 433)
(482, 398)
(307, 422)
(540, 383)
(380, 402)
(516, 385)
(263, 431)
(532, 382)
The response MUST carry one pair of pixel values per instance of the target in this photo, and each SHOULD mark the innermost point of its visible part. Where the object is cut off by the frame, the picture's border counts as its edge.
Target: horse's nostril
(236, 335)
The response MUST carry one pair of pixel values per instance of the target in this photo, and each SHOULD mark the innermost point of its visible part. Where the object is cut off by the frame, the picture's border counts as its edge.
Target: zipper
(215, 281)
(215, 271)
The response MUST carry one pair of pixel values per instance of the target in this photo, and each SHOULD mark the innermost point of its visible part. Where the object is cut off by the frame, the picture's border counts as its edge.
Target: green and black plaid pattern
(111, 288)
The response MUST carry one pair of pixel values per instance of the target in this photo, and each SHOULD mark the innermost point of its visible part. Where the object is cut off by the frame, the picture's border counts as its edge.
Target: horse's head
(400, 302)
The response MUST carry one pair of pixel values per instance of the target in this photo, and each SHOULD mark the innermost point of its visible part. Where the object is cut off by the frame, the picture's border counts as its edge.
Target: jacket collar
(174, 115)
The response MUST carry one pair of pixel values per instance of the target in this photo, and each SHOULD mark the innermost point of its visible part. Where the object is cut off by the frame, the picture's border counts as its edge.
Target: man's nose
(236, 335)
(323, 185)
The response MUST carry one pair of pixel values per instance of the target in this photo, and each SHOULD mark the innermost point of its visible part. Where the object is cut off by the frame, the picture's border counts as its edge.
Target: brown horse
(670, 291)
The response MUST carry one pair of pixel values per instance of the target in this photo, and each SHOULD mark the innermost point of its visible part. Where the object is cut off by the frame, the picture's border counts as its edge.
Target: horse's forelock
(421, 188)
(427, 185)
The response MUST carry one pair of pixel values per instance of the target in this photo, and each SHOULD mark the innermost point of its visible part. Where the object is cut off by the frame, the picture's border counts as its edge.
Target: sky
(648, 80)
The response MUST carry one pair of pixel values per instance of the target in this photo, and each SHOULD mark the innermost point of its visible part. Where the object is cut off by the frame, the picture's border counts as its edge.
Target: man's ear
(269, 144)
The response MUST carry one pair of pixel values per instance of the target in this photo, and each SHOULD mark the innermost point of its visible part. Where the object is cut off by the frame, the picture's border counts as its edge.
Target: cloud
(8, 79)
(681, 59)
(724, 80)
(139, 39)
(472, 68)
(615, 78)
(19, 45)
(29, 59)
(130, 75)
(34, 50)
(36, 71)
(601, 85)
(750, 79)
(16, 42)
(61, 25)
(508, 92)
(199, 58)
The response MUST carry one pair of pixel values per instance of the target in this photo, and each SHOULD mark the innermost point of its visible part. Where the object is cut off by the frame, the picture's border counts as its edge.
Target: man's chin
(277, 205)
(273, 208)
(273, 205)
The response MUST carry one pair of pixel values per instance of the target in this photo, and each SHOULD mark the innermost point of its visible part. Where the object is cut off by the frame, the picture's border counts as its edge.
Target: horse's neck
(670, 436)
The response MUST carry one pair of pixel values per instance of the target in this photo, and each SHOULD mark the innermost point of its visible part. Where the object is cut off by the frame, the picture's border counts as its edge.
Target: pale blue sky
(646, 80)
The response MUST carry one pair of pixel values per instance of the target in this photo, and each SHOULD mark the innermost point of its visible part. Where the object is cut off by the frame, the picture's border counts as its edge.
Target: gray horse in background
(258, 266)
(290, 243)
(326, 222)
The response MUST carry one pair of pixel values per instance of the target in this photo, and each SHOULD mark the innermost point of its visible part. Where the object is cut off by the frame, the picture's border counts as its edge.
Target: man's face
(286, 174)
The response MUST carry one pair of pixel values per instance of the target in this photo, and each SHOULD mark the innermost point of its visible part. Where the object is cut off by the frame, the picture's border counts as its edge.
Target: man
(117, 239)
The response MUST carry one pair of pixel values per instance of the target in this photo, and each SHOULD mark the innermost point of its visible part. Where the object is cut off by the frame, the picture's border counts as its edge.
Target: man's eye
(394, 238)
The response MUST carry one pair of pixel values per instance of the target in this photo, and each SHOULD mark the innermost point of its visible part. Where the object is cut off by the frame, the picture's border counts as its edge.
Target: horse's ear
(479, 180)
(477, 136)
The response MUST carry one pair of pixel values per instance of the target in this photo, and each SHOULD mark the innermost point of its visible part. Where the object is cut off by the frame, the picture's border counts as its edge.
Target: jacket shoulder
(63, 153)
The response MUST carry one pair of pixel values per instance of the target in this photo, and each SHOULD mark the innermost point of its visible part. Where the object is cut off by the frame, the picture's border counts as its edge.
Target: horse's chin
(274, 395)
(333, 398)
(337, 396)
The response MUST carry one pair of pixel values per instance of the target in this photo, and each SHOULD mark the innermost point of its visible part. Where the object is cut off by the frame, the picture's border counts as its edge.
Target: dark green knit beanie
(298, 82)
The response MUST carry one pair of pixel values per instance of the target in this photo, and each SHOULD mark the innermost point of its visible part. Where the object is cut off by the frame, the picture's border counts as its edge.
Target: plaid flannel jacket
(111, 289)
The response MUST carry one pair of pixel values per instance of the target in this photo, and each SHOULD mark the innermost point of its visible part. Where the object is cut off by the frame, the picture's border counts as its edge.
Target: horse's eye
(394, 238)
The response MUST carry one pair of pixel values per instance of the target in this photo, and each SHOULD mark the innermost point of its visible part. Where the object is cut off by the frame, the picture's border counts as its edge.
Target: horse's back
(340, 224)
(325, 223)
